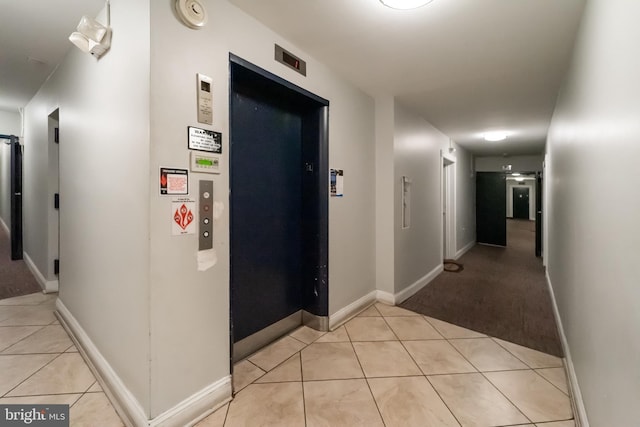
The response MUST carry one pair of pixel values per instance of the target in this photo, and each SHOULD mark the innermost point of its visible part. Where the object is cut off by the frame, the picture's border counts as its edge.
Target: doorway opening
(279, 179)
(513, 197)
(448, 206)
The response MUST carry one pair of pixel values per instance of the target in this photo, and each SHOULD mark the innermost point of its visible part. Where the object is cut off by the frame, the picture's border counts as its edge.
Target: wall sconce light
(93, 37)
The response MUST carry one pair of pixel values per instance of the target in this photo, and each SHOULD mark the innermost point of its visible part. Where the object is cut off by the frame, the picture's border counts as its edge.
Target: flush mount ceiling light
(405, 4)
(515, 174)
(495, 136)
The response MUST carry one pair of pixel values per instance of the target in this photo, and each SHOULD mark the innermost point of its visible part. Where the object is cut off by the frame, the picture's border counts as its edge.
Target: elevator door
(266, 189)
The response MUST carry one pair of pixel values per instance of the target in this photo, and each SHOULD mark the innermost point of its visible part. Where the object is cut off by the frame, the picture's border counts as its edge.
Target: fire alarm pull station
(205, 99)
(205, 241)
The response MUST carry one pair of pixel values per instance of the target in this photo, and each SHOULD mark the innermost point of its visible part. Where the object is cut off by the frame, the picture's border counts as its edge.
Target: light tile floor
(392, 367)
(39, 364)
(386, 367)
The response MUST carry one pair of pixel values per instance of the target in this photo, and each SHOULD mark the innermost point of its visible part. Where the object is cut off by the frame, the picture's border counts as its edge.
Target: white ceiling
(467, 66)
(33, 40)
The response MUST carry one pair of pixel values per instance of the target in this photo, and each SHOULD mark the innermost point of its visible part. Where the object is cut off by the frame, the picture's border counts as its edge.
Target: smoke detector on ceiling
(192, 13)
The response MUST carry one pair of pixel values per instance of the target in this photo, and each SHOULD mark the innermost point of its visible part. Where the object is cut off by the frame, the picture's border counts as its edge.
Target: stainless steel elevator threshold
(262, 338)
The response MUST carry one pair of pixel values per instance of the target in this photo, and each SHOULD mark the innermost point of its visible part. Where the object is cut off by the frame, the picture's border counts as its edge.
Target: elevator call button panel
(205, 227)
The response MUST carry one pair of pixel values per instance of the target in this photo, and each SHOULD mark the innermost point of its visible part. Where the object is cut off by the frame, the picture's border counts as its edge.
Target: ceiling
(466, 66)
(33, 40)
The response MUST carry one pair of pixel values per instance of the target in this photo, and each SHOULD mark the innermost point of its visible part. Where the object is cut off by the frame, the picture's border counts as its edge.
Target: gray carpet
(501, 292)
(15, 277)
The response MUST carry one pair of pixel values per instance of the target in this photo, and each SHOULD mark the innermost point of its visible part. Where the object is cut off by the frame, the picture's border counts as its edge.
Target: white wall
(519, 163)
(417, 155)
(183, 299)
(465, 199)
(10, 124)
(385, 187)
(104, 183)
(594, 242)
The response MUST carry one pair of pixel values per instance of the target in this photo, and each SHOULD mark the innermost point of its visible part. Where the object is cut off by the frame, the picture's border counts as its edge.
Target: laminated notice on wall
(337, 182)
(174, 181)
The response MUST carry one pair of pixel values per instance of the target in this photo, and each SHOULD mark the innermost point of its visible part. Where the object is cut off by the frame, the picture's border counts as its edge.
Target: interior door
(491, 208)
(521, 202)
(16, 198)
(539, 214)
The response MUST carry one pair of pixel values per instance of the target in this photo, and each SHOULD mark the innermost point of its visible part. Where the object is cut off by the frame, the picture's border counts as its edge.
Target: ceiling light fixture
(515, 174)
(495, 136)
(405, 4)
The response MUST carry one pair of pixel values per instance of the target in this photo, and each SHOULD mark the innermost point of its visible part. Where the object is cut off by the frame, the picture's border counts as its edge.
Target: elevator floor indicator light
(290, 60)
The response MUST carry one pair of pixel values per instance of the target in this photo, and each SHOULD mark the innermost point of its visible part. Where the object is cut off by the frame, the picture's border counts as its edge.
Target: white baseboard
(196, 407)
(386, 297)
(417, 285)
(465, 249)
(579, 411)
(352, 309)
(48, 286)
(6, 228)
(185, 413)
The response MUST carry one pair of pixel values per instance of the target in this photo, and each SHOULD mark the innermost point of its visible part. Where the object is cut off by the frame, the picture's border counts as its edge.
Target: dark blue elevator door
(266, 217)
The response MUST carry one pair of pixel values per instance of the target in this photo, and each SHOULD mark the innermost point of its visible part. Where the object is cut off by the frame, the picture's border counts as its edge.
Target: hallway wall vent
(290, 60)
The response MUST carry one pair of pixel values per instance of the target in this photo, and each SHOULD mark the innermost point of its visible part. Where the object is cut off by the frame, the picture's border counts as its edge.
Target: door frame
(448, 206)
(315, 303)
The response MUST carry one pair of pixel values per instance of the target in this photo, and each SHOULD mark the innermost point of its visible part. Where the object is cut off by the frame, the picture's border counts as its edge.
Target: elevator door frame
(315, 284)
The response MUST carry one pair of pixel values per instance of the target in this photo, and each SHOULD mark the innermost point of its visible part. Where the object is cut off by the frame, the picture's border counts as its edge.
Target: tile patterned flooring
(392, 367)
(39, 364)
(385, 367)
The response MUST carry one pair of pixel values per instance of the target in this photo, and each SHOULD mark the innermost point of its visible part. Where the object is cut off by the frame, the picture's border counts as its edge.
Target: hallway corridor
(502, 292)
